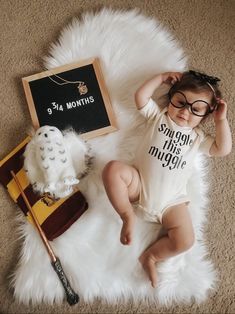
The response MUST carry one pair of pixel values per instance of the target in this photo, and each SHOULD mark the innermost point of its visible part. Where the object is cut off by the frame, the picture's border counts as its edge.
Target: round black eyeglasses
(199, 107)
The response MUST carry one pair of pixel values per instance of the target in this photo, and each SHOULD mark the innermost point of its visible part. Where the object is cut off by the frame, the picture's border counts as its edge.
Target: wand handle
(72, 297)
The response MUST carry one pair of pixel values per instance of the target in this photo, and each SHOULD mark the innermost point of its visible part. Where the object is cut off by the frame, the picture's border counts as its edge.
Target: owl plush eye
(52, 130)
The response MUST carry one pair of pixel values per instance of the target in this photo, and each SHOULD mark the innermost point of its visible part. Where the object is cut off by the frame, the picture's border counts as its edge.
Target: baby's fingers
(221, 110)
(175, 77)
(221, 104)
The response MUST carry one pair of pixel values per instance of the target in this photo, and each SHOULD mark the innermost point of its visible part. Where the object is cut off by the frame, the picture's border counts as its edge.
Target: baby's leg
(122, 183)
(179, 238)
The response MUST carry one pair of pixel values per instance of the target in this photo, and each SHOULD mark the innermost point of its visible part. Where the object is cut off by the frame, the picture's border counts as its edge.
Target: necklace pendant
(82, 88)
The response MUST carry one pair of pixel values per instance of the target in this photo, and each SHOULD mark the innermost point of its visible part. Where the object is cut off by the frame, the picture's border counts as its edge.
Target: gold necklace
(82, 88)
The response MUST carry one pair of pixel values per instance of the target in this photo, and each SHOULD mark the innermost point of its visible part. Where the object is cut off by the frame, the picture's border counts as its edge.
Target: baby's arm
(146, 90)
(223, 139)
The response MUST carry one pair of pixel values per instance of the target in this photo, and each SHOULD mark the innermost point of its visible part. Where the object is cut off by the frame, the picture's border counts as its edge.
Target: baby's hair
(198, 82)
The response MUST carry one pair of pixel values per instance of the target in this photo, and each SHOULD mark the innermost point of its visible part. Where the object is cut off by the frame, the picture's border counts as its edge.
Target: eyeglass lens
(198, 107)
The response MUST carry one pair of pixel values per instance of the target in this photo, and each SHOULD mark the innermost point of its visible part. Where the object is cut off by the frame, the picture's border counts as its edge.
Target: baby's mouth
(182, 118)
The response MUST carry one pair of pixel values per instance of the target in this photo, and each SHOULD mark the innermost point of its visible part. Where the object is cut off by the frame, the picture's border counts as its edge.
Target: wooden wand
(72, 297)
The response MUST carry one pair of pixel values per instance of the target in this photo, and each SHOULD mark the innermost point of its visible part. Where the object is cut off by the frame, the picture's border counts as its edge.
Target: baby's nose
(185, 109)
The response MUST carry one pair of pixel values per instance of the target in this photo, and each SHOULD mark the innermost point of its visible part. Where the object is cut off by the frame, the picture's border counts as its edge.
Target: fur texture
(53, 161)
(131, 48)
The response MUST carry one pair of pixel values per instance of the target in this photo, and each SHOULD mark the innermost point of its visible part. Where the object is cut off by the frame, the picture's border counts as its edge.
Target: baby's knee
(110, 169)
(184, 243)
(189, 241)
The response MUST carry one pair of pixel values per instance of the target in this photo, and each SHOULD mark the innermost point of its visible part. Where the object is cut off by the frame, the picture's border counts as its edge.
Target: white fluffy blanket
(131, 48)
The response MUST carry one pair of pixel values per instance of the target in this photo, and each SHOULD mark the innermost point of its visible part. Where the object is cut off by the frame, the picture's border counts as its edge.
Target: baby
(158, 178)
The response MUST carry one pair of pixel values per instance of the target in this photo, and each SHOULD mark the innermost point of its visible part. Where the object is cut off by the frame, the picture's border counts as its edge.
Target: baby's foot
(127, 228)
(149, 264)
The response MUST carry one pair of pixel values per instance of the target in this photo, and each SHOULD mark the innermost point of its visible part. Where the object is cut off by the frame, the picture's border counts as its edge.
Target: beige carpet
(207, 33)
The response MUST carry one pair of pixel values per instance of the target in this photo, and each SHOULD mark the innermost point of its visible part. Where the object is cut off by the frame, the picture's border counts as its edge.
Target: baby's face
(182, 116)
(48, 133)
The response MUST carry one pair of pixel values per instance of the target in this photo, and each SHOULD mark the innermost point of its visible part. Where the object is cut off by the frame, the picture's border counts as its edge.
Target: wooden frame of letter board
(103, 89)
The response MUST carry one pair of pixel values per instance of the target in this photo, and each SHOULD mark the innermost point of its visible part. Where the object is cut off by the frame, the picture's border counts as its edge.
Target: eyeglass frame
(189, 105)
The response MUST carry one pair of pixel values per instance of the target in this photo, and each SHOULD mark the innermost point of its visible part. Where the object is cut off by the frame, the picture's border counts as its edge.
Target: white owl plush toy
(54, 161)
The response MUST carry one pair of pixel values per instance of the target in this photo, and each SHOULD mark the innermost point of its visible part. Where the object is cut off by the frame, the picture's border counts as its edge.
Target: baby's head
(193, 98)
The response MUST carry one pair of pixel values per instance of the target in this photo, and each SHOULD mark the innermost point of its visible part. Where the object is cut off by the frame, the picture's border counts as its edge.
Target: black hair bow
(205, 78)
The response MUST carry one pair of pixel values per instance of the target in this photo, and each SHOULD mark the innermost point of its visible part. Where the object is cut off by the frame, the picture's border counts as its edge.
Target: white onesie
(164, 160)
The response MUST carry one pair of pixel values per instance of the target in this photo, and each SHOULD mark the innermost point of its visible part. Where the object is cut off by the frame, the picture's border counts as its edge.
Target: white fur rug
(131, 48)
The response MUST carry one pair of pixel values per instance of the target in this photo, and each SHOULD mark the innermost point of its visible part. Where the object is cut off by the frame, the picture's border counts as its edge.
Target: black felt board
(54, 99)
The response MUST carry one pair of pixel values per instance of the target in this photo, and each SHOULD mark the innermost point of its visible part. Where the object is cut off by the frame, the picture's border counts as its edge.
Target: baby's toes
(125, 237)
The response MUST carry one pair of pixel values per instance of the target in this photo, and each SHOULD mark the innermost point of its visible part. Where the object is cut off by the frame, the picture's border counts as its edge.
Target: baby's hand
(221, 112)
(171, 77)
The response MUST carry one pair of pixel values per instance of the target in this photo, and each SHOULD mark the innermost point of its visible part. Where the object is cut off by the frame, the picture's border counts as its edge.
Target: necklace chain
(65, 82)
(81, 85)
